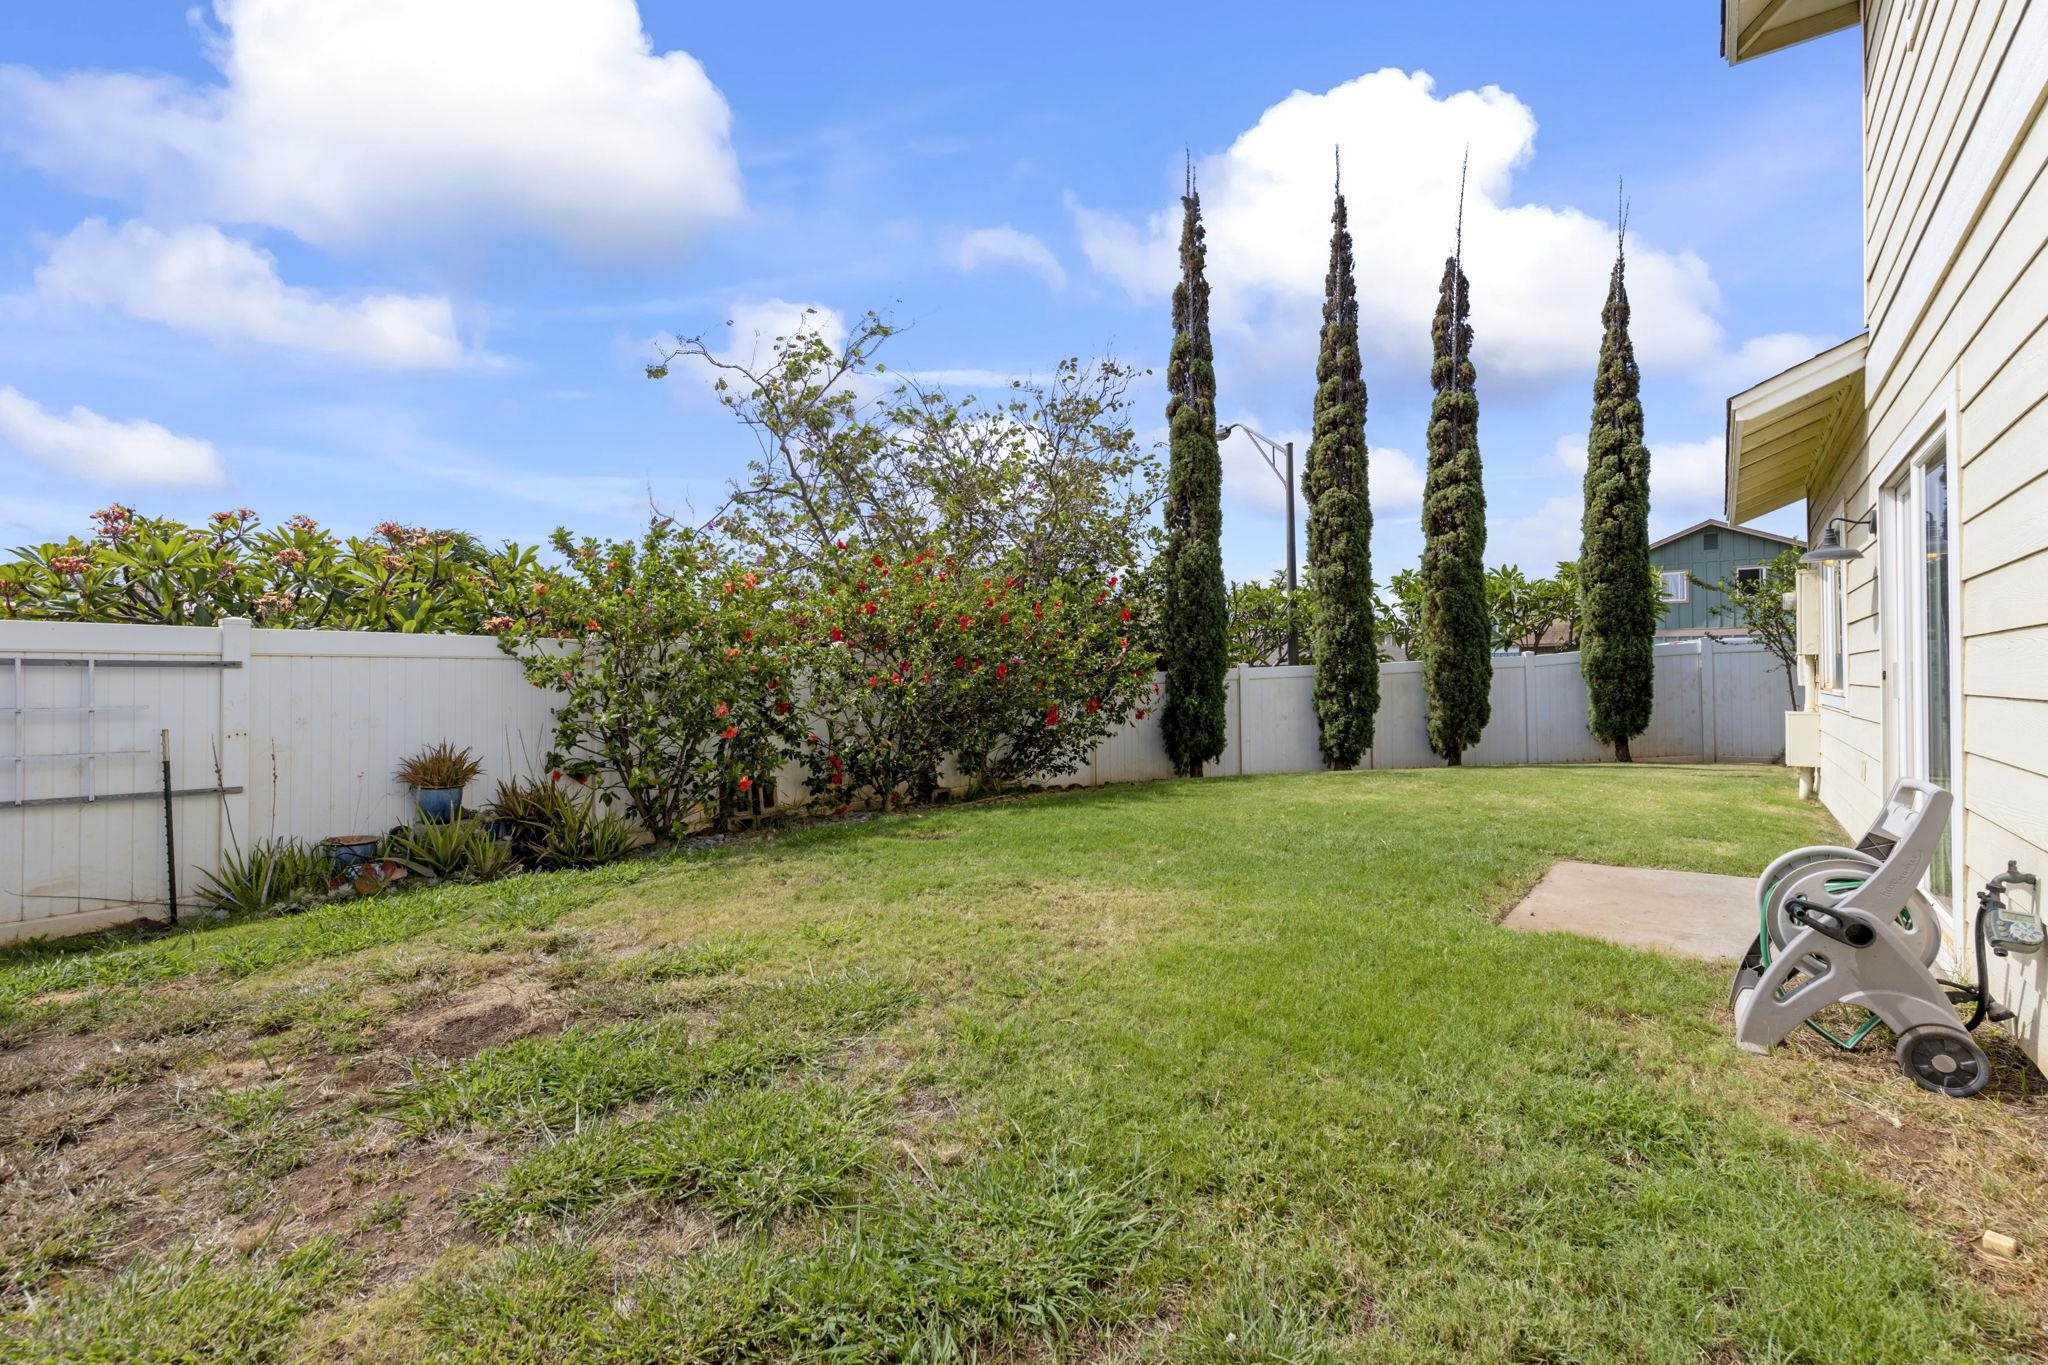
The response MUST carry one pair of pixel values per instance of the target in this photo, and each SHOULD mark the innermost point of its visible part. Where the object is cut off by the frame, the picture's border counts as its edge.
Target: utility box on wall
(1802, 739)
(1806, 610)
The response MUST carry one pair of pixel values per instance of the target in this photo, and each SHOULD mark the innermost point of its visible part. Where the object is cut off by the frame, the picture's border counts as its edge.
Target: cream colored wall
(1956, 294)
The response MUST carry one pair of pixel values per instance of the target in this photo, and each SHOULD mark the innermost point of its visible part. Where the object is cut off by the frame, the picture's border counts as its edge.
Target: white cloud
(1538, 273)
(348, 122)
(1539, 540)
(1395, 478)
(1688, 479)
(86, 445)
(1008, 246)
(199, 280)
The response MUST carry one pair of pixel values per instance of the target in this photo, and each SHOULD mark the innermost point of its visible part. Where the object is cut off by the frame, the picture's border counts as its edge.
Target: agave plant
(553, 826)
(270, 873)
(462, 847)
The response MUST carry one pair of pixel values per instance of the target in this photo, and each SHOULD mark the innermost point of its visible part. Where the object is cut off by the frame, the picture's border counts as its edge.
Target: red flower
(721, 709)
(811, 738)
(731, 732)
(555, 776)
(1123, 642)
(1141, 713)
(1006, 618)
(842, 544)
(1112, 580)
(837, 635)
(878, 562)
(988, 601)
(1125, 615)
(1093, 706)
(583, 779)
(1009, 582)
(838, 778)
(959, 661)
(833, 759)
(745, 783)
(868, 608)
(1101, 597)
(1038, 611)
(747, 634)
(782, 708)
(966, 621)
(1002, 670)
(1052, 715)
(873, 678)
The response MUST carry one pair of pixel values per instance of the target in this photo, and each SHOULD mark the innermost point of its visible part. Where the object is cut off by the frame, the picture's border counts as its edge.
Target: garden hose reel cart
(1849, 926)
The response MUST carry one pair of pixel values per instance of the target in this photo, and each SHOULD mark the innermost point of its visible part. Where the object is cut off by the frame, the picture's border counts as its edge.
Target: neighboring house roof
(1750, 28)
(1713, 523)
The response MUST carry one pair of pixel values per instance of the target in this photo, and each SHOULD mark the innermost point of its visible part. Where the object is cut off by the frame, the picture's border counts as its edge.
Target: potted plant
(437, 777)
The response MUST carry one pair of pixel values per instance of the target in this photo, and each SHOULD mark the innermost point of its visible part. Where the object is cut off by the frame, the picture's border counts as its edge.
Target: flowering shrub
(158, 571)
(922, 659)
(673, 669)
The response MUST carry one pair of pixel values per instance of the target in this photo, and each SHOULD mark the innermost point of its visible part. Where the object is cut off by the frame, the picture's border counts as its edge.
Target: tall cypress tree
(1346, 644)
(1457, 663)
(1620, 609)
(1196, 621)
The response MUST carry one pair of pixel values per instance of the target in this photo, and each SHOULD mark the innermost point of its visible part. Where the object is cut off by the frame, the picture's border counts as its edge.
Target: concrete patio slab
(1690, 914)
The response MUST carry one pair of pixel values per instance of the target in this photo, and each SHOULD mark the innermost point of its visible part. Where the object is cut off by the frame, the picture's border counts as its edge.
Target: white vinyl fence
(294, 732)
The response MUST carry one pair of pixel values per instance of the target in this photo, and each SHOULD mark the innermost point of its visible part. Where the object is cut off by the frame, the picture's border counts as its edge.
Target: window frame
(1684, 593)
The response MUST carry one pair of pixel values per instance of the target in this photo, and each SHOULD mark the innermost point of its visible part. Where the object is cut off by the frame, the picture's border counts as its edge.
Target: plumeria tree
(673, 668)
(158, 571)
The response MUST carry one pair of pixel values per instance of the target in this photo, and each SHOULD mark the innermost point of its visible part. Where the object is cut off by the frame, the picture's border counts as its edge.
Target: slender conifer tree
(1457, 667)
(1196, 621)
(1345, 644)
(1620, 609)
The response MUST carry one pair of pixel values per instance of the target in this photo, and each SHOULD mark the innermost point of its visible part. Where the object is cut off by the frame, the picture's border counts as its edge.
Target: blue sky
(406, 259)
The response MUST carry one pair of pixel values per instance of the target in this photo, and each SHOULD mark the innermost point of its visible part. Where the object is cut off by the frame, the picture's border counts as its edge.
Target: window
(1677, 587)
(1834, 627)
(1711, 540)
(1750, 573)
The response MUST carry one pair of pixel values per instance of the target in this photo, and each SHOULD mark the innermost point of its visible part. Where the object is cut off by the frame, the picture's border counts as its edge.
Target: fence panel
(276, 733)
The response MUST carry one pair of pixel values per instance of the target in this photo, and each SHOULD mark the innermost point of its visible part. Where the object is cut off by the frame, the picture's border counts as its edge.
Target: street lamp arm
(1268, 448)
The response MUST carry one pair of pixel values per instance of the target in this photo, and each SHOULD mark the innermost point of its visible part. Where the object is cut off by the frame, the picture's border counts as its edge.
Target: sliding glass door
(1919, 638)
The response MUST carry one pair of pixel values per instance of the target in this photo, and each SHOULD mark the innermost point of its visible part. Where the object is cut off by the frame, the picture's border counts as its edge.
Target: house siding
(1689, 553)
(1956, 292)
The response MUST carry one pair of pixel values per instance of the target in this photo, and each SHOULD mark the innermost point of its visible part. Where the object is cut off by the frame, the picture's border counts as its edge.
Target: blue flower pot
(349, 851)
(439, 805)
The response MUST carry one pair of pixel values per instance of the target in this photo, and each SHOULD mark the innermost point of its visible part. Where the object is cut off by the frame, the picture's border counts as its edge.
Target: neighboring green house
(1713, 552)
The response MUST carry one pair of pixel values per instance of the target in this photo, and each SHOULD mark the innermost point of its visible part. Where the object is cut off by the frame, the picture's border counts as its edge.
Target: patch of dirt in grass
(503, 1009)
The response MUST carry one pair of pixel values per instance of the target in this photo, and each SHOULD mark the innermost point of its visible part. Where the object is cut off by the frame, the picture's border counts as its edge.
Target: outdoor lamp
(1831, 547)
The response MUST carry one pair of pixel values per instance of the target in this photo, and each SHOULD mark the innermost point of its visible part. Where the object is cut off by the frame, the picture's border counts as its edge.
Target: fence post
(1528, 708)
(234, 732)
(1710, 739)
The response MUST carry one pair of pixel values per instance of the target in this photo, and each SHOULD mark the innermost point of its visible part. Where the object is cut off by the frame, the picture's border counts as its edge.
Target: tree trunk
(1455, 758)
(1791, 686)
(1621, 750)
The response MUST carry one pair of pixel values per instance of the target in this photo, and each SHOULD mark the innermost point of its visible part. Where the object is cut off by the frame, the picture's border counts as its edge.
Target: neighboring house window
(1677, 587)
(1834, 627)
(1711, 540)
(1750, 573)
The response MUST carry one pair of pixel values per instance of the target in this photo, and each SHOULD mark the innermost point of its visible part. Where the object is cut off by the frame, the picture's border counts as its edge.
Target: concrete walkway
(1691, 914)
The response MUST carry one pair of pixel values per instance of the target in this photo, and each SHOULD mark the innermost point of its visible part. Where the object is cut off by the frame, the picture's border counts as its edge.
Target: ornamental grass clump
(440, 767)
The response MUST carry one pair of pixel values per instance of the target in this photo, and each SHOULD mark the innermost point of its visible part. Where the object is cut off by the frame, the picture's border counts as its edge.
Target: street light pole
(1268, 448)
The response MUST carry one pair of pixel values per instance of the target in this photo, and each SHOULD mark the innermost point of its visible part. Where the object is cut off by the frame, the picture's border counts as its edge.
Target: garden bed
(1227, 1070)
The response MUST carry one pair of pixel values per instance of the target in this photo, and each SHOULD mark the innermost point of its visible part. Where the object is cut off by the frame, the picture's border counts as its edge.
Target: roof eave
(1780, 430)
(1751, 28)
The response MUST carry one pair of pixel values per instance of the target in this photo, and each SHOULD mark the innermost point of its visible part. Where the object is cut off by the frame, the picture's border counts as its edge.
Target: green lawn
(1238, 1071)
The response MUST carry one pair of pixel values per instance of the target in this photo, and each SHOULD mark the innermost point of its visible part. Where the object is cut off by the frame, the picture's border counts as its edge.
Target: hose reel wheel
(1830, 878)
(1944, 1060)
